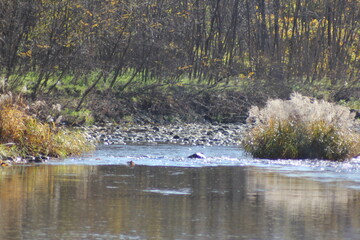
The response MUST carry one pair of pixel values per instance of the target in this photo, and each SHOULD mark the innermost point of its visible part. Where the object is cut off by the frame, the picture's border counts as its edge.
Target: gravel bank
(189, 134)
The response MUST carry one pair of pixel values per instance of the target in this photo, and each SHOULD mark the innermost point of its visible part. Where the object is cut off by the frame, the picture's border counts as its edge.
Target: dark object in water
(197, 155)
(131, 164)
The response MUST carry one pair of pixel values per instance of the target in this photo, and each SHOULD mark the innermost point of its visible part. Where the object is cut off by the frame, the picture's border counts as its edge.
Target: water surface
(228, 195)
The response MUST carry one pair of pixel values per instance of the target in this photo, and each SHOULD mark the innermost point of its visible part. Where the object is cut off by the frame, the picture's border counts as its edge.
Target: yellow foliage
(156, 25)
(242, 75)
(314, 23)
(69, 44)
(88, 13)
(250, 74)
(125, 16)
(84, 23)
(172, 45)
(185, 67)
(26, 54)
(43, 46)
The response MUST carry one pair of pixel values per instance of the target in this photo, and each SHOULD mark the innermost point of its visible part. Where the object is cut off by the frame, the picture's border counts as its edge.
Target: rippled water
(166, 195)
(176, 156)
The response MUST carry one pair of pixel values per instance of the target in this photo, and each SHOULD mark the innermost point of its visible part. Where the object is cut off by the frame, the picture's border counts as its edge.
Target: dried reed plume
(302, 127)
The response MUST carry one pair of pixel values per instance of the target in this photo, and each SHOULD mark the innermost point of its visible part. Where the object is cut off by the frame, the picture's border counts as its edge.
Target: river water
(165, 195)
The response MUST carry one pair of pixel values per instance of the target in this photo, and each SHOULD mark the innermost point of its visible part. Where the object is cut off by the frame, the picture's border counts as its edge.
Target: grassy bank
(23, 135)
(82, 99)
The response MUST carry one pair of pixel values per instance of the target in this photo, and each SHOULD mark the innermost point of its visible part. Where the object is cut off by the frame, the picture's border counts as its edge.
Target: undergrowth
(302, 128)
(22, 134)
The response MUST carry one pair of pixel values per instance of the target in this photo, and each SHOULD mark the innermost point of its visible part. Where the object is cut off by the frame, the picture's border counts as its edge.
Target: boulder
(197, 155)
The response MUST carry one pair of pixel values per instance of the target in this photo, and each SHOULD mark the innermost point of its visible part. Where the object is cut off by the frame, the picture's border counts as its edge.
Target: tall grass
(301, 128)
(23, 135)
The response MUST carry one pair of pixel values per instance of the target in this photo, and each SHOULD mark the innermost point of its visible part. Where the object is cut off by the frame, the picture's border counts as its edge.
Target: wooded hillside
(279, 43)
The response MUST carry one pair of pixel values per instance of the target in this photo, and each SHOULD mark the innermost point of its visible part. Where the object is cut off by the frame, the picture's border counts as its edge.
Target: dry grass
(22, 134)
(302, 128)
(304, 109)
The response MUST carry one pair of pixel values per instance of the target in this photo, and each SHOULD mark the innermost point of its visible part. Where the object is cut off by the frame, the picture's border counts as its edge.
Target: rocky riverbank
(187, 134)
(181, 133)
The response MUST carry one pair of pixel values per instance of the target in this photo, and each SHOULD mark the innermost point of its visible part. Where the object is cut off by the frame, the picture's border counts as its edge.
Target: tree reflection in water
(144, 202)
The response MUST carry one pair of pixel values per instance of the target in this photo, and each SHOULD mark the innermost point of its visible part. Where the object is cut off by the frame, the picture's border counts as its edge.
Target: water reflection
(146, 202)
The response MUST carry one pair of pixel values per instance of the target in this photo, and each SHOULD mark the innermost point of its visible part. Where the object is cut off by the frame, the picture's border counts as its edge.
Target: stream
(227, 195)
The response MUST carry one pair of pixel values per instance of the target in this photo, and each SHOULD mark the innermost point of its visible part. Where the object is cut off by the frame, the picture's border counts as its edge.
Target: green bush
(83, 116)
(301, 128)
